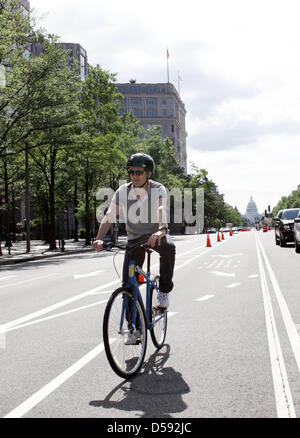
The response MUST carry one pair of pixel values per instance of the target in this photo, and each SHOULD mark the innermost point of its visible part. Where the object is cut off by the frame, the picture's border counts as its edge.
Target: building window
(151, 113)
(82, 67)
(136, 102)
(151, 101)
(164, 112)
(164, 101)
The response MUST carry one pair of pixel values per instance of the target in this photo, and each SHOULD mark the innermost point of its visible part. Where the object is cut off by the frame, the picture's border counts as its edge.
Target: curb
(21, 259)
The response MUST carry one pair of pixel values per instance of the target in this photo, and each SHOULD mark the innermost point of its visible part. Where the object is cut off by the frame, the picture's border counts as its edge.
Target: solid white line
(8, 276)
(26, 281)
(205, 297)
(56, 315)
(41, 394)
(283, 397)
(287, 318)
(4, 327)
(89, 274)
(37, 397)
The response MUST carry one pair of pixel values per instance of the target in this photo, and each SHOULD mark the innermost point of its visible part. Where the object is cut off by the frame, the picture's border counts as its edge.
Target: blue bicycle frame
(133, 284)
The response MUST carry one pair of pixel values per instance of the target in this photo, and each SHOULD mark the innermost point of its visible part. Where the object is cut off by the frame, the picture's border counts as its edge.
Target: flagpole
(168, 65)
(178, 83)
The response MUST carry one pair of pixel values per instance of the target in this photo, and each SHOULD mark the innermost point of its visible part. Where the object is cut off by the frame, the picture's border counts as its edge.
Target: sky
(240, 65)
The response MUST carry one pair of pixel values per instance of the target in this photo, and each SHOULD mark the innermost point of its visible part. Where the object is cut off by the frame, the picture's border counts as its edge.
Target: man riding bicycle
(142, 202)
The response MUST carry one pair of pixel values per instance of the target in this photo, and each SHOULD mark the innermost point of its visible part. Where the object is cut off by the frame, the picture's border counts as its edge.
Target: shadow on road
(156, 392)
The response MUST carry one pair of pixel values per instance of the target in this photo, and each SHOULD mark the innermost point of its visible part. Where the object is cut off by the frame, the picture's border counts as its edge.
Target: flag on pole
(179, 79)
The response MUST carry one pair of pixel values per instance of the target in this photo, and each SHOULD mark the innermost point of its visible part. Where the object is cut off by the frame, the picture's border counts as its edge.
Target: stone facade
(158, 104)
(251, 212)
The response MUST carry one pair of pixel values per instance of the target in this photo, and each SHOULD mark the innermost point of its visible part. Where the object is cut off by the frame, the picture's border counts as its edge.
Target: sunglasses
(135, 172)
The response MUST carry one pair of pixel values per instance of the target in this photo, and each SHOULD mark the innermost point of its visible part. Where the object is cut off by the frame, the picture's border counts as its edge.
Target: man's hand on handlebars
(98, 245)
(156, 238)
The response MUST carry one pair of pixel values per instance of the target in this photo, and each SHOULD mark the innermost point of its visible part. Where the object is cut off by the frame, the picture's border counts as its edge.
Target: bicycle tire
(159, 330)
(125, 360)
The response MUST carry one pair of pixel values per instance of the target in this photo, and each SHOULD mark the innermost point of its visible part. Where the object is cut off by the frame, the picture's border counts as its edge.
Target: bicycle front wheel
(126, 360)
(159, 321)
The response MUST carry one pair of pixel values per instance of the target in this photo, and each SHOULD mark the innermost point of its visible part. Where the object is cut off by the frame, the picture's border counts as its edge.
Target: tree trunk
(87, 210)
(75, 211)
(27, 201)
(52, 201)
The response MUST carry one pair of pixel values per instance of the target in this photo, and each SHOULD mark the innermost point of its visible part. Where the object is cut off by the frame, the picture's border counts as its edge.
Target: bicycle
(125, 314)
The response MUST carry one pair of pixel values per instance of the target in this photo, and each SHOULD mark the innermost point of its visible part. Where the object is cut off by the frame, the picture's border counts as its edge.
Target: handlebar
(108, 246)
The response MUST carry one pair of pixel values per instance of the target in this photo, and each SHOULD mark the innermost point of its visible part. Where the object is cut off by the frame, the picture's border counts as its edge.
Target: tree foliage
(76, 139)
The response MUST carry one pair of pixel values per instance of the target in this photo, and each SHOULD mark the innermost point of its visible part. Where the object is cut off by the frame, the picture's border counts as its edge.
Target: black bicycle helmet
(141, 160)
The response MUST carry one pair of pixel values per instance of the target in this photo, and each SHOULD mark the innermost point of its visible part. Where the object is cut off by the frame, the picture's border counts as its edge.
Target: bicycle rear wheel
(159, 318)
(125, 360)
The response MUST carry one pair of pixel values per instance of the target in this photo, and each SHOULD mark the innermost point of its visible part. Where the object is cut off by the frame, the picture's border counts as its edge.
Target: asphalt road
(232, 347)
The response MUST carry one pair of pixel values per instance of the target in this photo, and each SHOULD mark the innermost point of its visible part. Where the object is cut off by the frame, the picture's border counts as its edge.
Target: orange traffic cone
(218, 238)
(223, 238)
(208, 241)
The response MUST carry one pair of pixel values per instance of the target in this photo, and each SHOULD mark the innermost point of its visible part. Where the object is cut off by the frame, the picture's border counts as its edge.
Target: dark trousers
(166, 251)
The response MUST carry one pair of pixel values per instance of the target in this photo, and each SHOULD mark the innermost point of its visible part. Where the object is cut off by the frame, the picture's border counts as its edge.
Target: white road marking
(26, 281)
(287, 318)
(40, 395)
(171, 314)
(223, 274)
(233, 285)
(283, 397)
(89, 274)
(21, 320)
(18, 321)
(227, 256)
(205, 297)
(46, 390)
(199, 255)
(56, 315)
(253, 276)
(103, 292)
(8, 276)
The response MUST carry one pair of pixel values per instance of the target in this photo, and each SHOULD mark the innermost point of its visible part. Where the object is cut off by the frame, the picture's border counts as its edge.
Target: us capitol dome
(251, 212)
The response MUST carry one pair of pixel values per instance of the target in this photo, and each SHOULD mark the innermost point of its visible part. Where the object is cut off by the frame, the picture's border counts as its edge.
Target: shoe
(162, 300)
(133, 338)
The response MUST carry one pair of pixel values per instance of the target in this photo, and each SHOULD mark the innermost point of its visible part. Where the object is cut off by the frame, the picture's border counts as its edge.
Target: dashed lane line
(205, 298)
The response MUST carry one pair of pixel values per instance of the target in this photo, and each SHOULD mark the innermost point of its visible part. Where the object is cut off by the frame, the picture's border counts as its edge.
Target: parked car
(284, 226)
(297, 233)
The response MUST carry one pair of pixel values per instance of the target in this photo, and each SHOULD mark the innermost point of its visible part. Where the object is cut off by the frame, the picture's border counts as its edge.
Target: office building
(76, 55)
(158, 104)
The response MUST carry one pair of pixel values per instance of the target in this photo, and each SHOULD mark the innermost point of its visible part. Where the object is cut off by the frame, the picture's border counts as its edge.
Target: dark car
(284, 226)
(297, 233)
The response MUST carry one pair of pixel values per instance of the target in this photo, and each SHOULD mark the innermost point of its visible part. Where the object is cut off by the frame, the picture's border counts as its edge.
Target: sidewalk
(39, 250)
